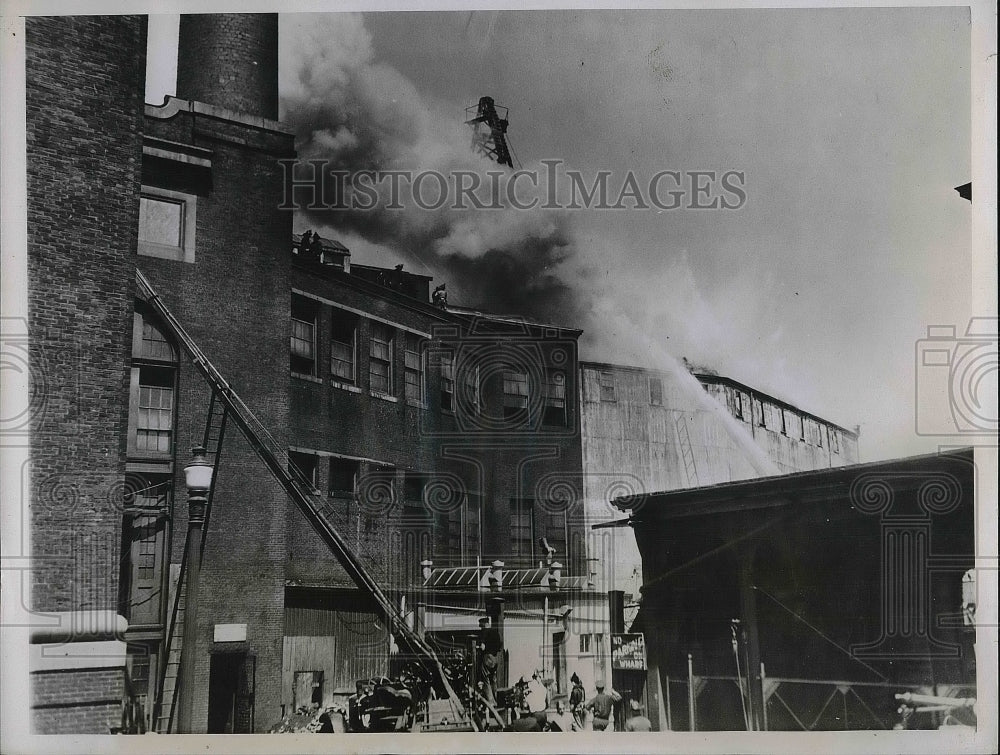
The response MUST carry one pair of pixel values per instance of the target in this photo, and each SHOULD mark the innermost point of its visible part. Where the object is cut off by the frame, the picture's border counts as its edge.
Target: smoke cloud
(357, 114)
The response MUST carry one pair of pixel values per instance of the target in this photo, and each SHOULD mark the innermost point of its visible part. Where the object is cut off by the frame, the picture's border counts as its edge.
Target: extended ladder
(299, 489)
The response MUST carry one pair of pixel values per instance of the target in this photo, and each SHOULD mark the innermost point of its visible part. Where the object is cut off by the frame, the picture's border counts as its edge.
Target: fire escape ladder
(311, 503)
(166, 694)
(687, 452)
(166, 697)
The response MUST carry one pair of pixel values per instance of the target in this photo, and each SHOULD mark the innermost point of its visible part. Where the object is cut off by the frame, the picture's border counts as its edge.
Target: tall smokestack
(230, 60)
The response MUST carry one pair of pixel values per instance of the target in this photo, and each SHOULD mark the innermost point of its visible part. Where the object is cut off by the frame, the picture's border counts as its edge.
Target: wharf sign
(628, 652)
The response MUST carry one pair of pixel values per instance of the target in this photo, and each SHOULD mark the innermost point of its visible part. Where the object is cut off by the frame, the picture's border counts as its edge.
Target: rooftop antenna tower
(489, 130)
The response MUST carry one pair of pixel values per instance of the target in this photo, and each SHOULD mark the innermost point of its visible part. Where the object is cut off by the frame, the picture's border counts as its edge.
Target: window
(522, 538)
(413, 369)
(415, 510)
(161, 221)
(414, 484)
(515, 395)
(555, 535)
(834, 441)
(655, 391)
(343, 344)
(771, 417)
(760, 413)
(155, 419)
(152, 389)
(585, 644)
(343, 477)
(306, 466)
(154, 345)
(448, 381)
(555, 399)
(380, 364)
(146, 506)
(303, 343)
(167, 221)
(470, 381)
(607, 383)
(735, 400)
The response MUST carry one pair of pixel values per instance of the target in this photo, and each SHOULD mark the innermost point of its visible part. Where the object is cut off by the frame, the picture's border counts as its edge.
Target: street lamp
(198, 480)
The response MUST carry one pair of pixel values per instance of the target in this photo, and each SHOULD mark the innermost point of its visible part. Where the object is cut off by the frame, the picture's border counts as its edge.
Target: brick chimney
(230, 60)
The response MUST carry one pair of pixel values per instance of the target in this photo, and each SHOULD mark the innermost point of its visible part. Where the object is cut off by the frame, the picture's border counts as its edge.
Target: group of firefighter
(531, 704)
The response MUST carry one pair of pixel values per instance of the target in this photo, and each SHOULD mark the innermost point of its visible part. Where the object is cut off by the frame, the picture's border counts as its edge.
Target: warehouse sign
(628, 652)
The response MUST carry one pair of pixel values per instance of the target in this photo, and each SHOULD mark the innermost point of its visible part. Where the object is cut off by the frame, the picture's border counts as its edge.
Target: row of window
(780, 420)
(609, 392)
(768, 415)
(349, 479)
(346, 345)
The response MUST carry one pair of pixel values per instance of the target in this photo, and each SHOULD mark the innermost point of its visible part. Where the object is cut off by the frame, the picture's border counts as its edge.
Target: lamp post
(198, 480)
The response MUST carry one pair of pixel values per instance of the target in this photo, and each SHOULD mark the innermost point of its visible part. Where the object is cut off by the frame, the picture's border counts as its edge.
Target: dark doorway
(230, 693)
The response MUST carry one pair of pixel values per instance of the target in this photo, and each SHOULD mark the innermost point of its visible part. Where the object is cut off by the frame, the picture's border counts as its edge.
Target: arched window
(152, 392)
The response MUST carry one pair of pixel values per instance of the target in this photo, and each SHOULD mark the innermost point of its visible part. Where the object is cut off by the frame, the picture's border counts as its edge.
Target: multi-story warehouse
(435, 436)
(648, 430)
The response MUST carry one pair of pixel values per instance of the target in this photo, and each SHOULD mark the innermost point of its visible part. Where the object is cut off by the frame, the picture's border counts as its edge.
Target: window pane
(655, 392)
(342, 360)
(515, 388)
(379, 376)
(155, 345)
(160, 221)
(343, 476)
(607, 382)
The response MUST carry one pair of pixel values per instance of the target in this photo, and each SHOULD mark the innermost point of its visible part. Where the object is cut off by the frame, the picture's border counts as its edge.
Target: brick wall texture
(87, 701)
(85, 80)
(234, 301)
(230, 60)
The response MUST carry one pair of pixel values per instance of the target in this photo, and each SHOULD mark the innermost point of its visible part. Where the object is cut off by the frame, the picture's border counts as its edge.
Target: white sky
(852, 126)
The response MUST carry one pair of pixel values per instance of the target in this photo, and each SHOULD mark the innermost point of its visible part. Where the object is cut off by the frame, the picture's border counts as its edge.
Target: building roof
(783, 490)
(471, 312)
(713, 377)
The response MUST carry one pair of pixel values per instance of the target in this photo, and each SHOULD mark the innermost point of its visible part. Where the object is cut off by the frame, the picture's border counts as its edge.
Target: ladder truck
(469, 711)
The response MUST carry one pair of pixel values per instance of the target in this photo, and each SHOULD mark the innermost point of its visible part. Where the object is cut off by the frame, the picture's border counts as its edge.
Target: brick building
(85, 79)
(446, 438)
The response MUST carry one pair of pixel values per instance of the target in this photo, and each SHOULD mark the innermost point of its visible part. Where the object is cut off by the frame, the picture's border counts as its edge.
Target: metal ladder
(687, 452)
(312, 504)
(167, 687)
